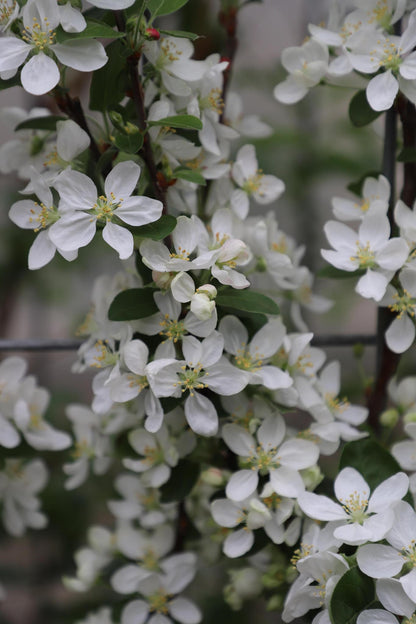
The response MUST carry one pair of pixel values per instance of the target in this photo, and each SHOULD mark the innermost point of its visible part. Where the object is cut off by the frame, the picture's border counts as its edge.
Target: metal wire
(323, 340)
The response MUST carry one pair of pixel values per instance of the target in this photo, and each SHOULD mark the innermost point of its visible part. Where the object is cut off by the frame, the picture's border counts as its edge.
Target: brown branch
(228, 19)
(72, 107)
(138, 99)
(387, 361)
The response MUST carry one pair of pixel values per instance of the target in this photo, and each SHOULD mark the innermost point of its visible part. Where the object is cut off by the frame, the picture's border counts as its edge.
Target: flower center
(273, 501)
(300, 553)
(365, 256)
(6, 11)
(104, 357)
(138, 380)
(39, 35)
(149, 560)
(336, 404)
(104, 207)
(248, 362)
(190, 378)
(169, 53)
(355, 507)
(173, 330)
(263, 460)
(181, 253)
(213, 101)
(409, 554)
(251, 185)
(152, 455)
(404, 303)
(391, 58)
(158, 602)
(43, 216)
(380, 14)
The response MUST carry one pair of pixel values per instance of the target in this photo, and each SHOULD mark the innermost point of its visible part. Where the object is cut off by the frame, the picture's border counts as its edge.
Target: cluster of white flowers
(362, 40)
(200, 348)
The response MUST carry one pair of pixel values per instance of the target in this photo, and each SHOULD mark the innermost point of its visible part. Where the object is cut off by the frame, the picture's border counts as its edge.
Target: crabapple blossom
(365, 518)
(83, 208)
(371, 250)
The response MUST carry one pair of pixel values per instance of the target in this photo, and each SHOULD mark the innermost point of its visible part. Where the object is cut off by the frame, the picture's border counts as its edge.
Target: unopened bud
(207, 289)
(213, 476)
(275, 603)
(202, 306)
(409, 418)
(358, 350)
(389, 418)
(152, 34)
(162, 280)
(312, 477)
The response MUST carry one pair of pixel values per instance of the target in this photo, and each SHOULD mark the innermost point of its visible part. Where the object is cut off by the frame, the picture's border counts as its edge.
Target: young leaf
(182, 480)
(188, 122)
(370, 459)
(132, 304)
(11, 82)
(190, 175)
(164, 7)
(356, 187)
(180, 33)
(108, 84)
(158, 230)
(360, 111)
(333, 273)
(48, 122)
(245, 300)
(93, 30)
(130, 143)
(353, 593)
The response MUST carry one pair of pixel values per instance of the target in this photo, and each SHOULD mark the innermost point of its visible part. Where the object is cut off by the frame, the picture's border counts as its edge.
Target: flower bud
(409, 418)
(312, 477)
(275, 603)
(152, 34)
(389, 418)
(207, 289)
(213, 476)
(202, 307)
(162, 280)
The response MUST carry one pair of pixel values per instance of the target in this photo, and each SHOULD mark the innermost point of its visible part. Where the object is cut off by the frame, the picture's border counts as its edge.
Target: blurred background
(313, 148)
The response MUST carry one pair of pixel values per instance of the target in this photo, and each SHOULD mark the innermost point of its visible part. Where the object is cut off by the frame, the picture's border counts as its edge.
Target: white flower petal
(40, 74)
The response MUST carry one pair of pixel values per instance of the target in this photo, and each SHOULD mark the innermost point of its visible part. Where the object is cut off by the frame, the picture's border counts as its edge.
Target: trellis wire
(324, 340)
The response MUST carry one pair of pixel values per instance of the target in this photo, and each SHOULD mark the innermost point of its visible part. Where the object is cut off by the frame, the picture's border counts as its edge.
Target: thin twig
(138, 99)
(72, 107)
(386, 360)
(228, 19)
(39, 344)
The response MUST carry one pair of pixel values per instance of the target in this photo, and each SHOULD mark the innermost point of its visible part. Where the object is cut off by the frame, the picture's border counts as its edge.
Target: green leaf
(247, 301)
(48, 122)
(164, 7)
(181, 34)
(130, 143)
(353, 593)
(360, 111)
(132, 304)
(356, 187)
(371, 460)
(109, 84)
(158, 230)
(93, 30)
(188, 122)
(190, 175)
(12, 82)
(182, 479)
(332, 272)
(407, 154)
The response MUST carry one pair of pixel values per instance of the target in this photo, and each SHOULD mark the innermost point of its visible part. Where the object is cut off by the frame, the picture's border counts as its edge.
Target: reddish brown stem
(387, 361)
(228, 19)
